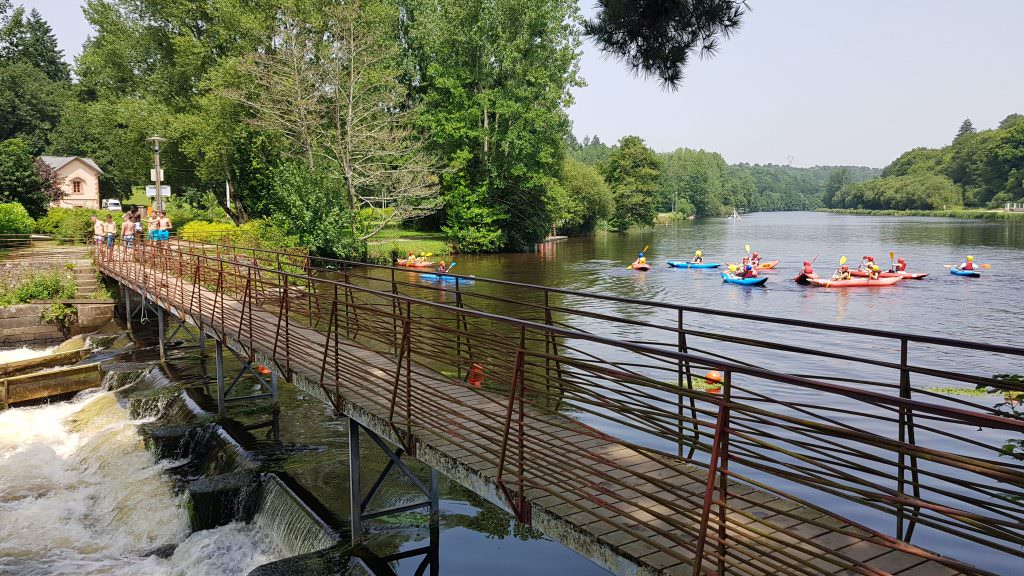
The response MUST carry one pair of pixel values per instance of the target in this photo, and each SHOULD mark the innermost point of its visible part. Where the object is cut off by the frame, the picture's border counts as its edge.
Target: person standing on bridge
(164, 225)
(128, 231)
(97, 230)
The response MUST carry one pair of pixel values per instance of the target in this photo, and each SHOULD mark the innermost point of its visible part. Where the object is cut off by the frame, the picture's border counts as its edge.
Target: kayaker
(698, 257)
(875, 272)
(866, 263)
(755, 260)
(969, 265)
(843, 273)
(441, 268)
(808, 269)
(746, 262)
(749, 272)
(901, 265)
(641, 260)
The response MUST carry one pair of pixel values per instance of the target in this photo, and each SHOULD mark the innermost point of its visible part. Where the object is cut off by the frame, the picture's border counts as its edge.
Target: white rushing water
(16, 354)
(80, 494)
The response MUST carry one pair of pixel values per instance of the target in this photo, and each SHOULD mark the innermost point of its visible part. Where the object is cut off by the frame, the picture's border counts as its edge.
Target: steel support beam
(220, 377)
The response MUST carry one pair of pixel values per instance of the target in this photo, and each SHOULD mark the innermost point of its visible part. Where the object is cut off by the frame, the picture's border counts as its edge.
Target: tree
(658, 38)
(24, 180)
(838, 179)
(30, 40)
(334, 94)
(632, 173)
(579, 199)
(493, 78)
(966, 129)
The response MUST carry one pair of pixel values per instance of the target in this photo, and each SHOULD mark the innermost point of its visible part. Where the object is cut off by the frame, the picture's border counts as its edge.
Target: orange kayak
(415, 264)
(763, 266)
(853, 282)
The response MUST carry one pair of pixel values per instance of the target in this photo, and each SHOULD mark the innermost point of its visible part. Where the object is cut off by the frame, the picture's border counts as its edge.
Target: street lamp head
(156, 140)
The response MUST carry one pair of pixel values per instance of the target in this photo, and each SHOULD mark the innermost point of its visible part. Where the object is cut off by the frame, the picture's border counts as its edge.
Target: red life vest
(968, 266)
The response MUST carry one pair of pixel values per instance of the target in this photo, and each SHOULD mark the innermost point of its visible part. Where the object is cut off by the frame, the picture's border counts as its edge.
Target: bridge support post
(160, 332)
(220, 377)
(127, 306)
(359, 505)
(202, 341)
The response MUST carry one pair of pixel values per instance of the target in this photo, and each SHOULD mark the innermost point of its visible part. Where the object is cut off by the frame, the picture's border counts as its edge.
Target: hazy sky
(804, 81)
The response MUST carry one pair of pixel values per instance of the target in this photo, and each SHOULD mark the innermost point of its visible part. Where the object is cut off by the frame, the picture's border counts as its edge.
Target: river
(61, 465)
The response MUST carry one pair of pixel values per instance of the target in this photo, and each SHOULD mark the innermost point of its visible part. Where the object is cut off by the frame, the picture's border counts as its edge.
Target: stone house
(81, 180)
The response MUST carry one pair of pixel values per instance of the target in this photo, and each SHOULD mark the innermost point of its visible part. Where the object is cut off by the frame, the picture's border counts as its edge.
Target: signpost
(157, 175)
(165, 191)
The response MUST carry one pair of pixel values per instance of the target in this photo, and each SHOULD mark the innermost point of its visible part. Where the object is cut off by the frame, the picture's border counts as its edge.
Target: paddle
(986, 265)
(449, 270)
(892, 256)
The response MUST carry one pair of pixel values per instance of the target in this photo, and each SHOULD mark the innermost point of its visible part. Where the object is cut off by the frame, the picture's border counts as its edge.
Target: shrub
(14, 219)
(71, 224)
(64, 316)
(38, 286)
(256, 233)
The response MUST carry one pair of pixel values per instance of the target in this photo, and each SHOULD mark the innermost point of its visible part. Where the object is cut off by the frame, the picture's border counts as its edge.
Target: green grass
(959, 391)
(970, 213)
(391, 244)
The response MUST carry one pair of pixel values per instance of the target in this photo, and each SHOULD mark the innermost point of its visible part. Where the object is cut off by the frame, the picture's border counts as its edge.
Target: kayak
(804, 279)
(416, 264)
(854, 282)
(903, 275)
(444, 278)
(640, 267)
(687, 264)
(726, 277)
(968, 273)
(763, 266)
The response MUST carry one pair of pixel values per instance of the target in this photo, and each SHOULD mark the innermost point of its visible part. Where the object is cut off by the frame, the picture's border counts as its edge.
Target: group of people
(105, 231)
(748, 268)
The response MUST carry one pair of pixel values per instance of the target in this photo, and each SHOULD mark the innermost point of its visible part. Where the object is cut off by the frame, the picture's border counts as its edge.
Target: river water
(78, 472)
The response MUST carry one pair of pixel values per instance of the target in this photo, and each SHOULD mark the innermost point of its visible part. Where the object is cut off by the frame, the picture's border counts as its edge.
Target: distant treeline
(702, 183)
(978, 169)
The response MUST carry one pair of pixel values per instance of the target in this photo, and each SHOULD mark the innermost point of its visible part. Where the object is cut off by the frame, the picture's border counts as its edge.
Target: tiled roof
(58, 162)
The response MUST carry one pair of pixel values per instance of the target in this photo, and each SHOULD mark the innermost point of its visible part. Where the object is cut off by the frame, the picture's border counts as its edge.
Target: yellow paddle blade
(428, 254)
(842, 260)
(747, 246)
(986, 266)
(891, 255)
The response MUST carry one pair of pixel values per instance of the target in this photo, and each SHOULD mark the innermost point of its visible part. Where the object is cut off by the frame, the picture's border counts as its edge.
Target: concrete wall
(20, 325)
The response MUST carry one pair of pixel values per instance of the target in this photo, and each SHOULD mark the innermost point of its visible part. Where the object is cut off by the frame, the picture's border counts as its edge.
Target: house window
(76, 187)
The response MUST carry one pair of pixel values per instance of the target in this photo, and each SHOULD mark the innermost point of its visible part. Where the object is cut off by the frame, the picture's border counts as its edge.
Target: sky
(803, 82)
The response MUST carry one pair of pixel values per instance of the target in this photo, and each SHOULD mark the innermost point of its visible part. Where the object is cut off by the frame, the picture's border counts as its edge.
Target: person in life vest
(969, 265)
(749, 272)
(843, 273)
(901, 265)
(866, 263)
(698, 257)
(808, 270)
(755, 260)
(441, 268)
(640, 260)
(875, 272)
(745, 263)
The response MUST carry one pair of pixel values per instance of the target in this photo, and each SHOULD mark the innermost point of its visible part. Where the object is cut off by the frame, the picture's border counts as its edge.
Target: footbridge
(819, 450)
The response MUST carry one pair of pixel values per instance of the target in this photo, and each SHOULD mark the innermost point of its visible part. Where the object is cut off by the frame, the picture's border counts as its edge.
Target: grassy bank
(961, 213)
(393, 243)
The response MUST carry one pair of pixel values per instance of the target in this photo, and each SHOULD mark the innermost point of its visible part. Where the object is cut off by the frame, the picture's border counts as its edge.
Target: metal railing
(801, 445)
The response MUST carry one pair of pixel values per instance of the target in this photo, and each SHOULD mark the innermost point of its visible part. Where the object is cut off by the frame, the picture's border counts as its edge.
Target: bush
(256, 233)
(14, 219)
(38, 286)
(70, 224)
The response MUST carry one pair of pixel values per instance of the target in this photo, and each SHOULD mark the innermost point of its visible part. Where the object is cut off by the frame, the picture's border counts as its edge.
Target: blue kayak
(444, 278)
(968, 273)
(687, 264)
(726, 277)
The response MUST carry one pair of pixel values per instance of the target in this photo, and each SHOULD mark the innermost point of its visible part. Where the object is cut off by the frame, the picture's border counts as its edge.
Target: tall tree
(658, 38)
(632, 173)
(26, 37)
(25, 180)
(966, 129)
(335, 94)
(494, 77)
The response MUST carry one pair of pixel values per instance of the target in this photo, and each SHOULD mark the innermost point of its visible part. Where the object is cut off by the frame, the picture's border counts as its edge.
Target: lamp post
(158, 200)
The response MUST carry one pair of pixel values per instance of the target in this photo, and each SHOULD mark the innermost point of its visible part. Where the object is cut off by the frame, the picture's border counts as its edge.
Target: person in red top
(969, 265)
(808, 269)
(755, 260)
(867, 263)
(901, 265)
(749, 272)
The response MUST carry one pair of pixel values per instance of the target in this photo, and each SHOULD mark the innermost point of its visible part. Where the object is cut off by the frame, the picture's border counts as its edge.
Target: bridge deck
(617, 515)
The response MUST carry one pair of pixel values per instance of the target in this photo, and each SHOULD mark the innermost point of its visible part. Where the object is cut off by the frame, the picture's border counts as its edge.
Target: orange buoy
(475, 377)
(713, 376)
(263, 370)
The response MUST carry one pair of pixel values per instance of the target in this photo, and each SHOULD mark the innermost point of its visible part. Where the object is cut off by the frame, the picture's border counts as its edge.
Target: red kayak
(904, 275)
(854, 282)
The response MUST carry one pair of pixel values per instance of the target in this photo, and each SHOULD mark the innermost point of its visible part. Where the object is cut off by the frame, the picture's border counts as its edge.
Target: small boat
(726, 277)
(416, 264)
(432, 277)
(805, 279)
(903, 275)
(853, 282)
(688, 264)
(762, 266)
(640, 267)
(969, 273)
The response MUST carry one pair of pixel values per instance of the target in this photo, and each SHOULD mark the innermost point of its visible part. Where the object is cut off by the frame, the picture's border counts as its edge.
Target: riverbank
(390, 244)
(962, 213)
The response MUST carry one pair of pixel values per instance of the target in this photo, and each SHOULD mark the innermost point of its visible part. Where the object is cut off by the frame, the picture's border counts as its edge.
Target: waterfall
(293, 526)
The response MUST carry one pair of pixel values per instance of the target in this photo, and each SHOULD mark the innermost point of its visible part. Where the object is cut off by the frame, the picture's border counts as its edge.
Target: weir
(653, 472)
